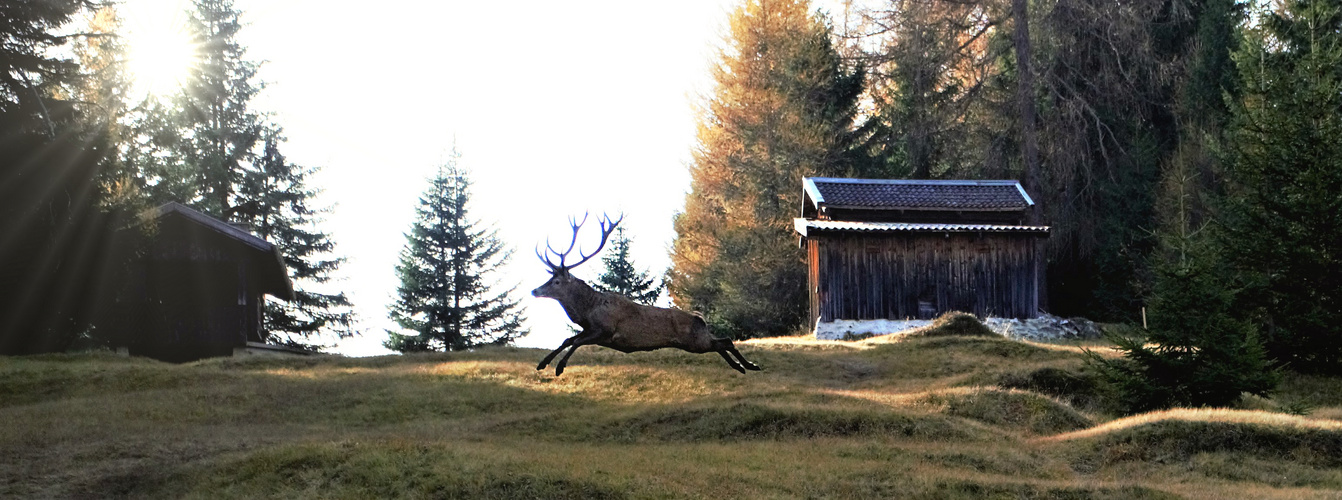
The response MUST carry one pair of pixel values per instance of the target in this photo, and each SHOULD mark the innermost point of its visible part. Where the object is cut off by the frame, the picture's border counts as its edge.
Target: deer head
(561, 282)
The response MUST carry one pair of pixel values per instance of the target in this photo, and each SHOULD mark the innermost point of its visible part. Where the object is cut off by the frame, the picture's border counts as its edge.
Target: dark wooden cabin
(196, 290)
(913, 249)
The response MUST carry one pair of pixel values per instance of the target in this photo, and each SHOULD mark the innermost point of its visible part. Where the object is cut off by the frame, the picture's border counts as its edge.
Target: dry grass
(895, 417)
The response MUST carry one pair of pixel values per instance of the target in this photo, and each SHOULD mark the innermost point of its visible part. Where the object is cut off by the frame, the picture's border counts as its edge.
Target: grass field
(920, 417)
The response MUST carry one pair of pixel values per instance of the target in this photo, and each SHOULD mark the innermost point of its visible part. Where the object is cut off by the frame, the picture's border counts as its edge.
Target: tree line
(205, 145)
(1185, 153)
(84, 156)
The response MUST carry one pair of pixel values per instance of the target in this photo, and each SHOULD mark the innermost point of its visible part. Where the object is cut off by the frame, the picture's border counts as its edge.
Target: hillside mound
(1180, 435)
(744, 421)
(1021, 410)
(956, 324)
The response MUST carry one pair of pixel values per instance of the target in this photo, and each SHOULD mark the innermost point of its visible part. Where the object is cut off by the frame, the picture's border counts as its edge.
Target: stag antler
(607, 227)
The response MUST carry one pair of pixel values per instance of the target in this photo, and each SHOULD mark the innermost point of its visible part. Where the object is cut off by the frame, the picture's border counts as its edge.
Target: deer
(612, 320)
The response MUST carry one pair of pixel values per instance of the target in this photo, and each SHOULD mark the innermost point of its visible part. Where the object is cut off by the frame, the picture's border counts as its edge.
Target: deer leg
(579, 340)
(548, 357)
(748, 365)
(731, 362)
(559, 367)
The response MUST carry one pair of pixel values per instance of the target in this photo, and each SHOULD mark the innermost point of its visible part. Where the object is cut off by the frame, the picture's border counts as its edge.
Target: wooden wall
(921, 275)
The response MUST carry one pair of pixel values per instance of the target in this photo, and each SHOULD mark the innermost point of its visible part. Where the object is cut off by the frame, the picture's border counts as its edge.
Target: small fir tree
(622, 277)
(447, 296)
(1198, 352)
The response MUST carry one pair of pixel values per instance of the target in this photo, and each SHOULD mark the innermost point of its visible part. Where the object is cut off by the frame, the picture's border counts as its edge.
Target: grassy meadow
(922, 416)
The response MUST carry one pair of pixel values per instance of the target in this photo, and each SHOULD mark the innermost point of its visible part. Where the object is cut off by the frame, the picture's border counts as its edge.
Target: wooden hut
(196, 289)
(913, 249)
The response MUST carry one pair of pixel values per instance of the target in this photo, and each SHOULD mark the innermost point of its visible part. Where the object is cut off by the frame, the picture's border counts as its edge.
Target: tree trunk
(1025, 103)
(1029, 141)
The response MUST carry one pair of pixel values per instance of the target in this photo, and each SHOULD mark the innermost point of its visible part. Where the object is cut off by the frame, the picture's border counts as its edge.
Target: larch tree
(448, 295)
(623, 277)
(783, 108)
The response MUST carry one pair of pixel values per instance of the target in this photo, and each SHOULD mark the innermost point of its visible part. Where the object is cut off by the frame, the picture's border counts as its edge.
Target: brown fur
(612, 320)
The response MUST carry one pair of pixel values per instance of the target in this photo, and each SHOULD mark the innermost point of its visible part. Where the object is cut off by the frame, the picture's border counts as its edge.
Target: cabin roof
(217, 225)
(808, 227)
(908, 194)
(274, 274)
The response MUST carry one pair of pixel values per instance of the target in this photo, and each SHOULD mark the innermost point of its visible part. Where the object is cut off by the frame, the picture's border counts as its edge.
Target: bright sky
(556, 107)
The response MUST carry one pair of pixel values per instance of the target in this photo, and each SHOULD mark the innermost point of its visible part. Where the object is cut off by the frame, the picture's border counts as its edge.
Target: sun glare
(160, 54)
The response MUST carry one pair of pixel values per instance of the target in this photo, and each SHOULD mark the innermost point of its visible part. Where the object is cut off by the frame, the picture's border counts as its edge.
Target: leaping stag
(612, 320)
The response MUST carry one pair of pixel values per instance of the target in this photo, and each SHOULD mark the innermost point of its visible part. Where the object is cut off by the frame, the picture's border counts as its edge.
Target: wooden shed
(882, 249)
(196, 289)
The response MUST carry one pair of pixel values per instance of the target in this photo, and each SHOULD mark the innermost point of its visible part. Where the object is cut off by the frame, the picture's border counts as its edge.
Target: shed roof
(908, 194)
(274, 274)
(808, 227)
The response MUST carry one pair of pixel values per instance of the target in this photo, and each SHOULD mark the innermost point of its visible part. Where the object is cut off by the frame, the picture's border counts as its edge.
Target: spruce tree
(1198, 352)
(1282, 212)
(782, 109)
(220, 130)
(210, 148)
(274, 200)
(622, 277)
(448, 295)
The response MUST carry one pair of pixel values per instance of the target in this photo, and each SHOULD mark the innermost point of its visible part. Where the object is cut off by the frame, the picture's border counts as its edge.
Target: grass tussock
(1081, 390)
(1028, 412)
(955, 324)
(1187, 436)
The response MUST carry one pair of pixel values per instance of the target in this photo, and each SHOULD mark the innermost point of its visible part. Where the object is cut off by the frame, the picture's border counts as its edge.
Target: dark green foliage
(447, 294)
(55, 230)
(620, 275)
(274, 201)
(220, 131)
(1282, 212)
(1197, 353)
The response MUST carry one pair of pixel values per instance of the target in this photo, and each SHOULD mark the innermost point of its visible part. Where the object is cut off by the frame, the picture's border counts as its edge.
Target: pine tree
(275, 201)
(447, 295)
(622, 277)
(1282, 212)
(783, 109)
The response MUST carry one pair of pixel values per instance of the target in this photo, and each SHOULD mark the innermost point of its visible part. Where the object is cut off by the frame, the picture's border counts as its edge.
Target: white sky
(556, 107)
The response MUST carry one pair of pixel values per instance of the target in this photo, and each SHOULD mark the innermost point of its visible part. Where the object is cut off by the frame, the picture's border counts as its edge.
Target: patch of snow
(840, 328)
(1043, 328)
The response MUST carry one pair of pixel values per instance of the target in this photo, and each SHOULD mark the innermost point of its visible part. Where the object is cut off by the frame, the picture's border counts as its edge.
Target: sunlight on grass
(900, 417)
(604, 383)
(1209, 415)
